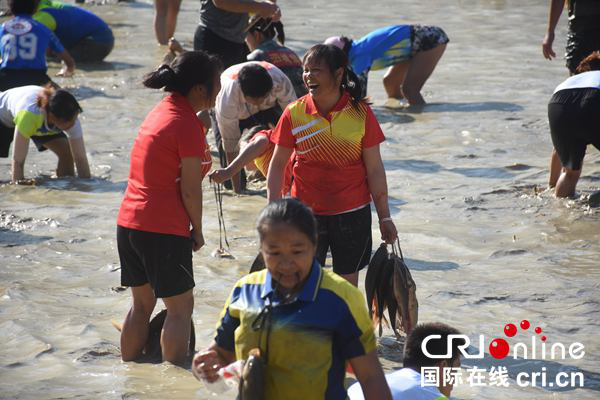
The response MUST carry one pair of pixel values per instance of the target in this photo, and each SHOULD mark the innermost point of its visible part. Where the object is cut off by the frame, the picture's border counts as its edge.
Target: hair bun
(166, 72)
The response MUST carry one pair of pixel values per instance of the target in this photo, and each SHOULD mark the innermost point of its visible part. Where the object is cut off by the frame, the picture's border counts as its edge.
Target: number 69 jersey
(23, 44)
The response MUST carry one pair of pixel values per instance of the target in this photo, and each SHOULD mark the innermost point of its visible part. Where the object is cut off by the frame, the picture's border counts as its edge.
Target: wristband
(386, 219)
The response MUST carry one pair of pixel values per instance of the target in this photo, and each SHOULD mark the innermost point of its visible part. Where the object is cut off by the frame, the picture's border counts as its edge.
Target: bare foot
(175, 46)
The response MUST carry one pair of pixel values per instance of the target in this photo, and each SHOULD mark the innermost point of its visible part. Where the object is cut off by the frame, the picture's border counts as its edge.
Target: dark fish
(258, 263)
(153, 350)
(385, 291)
(594, 199)
(252, 383)
(373, 278)
(405, 294)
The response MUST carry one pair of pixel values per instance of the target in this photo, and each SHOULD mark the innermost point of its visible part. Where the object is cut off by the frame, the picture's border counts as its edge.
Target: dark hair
(268, 28)
(413, 353)
(60, 103)
(255, 80)
(184, 72)
(249, 134)
(347, 44)
(335, 59)
(23, 6)
(289, 211)
(590, 63)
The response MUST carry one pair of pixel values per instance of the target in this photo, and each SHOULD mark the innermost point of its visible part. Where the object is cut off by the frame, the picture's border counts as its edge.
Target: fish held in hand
(252, 384)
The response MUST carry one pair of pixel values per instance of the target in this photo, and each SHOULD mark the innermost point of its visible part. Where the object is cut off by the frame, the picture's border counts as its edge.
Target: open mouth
(312, 86)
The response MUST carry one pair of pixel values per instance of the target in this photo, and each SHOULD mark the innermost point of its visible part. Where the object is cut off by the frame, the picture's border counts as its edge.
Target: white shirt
(404, 384)
(231, 106)
(590, 79)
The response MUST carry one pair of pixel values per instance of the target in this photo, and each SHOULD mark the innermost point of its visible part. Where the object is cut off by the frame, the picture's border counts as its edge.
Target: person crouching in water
(264, 46)
(410, 51)
(338, 168)
(314, 322)
(49, 117)
(252, 93)
(573, 113)
(406, 383)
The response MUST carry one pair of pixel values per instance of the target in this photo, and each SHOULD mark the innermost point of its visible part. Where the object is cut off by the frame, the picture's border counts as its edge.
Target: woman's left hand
(389, 234)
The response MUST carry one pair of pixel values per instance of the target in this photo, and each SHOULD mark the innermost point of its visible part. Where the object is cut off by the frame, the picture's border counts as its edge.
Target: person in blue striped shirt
(307, 321)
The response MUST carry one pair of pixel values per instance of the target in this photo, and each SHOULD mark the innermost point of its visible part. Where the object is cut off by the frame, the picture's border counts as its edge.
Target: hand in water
(65, 72)
(206, 365)
(219, 175)
(389, 234)
(197, 239)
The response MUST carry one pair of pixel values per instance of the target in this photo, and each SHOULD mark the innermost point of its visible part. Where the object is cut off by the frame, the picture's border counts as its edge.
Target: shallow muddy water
(486, 243)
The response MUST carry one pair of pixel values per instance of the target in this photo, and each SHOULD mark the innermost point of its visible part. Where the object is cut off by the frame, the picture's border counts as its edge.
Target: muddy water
(486, 243)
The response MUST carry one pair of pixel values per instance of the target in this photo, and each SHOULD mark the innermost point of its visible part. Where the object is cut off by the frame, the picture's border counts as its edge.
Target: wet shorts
(579, 46)
(425, 38)
(7, 134)
(89, 50)
(12, 78)
(163, 260)
(574, 123)
(348, 236)
(40, 141)
(229, 52)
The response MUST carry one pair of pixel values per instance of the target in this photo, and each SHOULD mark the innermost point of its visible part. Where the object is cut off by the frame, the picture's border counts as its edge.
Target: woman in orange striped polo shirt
(338, 169)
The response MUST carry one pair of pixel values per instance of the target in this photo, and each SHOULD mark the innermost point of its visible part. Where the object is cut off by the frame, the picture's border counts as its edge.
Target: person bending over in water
(169, 159)
(44, 115)
(256, 152)
(410, 51)
(253, 93)
(264, 47)
(313, 320)
(338, 169)
(23, 45)
(86, 36)
(406, 382)
(574, 116)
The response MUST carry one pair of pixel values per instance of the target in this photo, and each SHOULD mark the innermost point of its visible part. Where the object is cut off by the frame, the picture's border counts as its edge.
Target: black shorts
(580, 45)
(229, 52)
(348, 236)
(6, 137)
(574, 117)
(40, 141)
(163, 260)
(12, 78)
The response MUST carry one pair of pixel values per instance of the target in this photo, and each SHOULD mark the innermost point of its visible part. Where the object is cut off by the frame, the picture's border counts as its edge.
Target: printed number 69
(25, 46)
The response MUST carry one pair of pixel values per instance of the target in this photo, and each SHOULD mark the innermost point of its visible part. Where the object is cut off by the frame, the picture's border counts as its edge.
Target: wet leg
(565, 187)
(135, 327)
(171, 18)
(60, 147)
(420, 69)
(176, 330)
(394, 78)
(160, 21)
(555, 169)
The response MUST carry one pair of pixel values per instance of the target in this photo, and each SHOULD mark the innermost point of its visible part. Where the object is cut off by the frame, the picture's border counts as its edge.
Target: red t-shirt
(329, 175)
(152, 202)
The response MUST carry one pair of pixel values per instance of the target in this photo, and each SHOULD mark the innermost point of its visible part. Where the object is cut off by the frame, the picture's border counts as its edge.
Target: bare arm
(556, 9)
(20, 149)
(370, 375)
(254, 149)
(276, 172)
(80, 157)
(378, 187)
(191, 193)
(208, 361)
(263, 8)
(69, 68)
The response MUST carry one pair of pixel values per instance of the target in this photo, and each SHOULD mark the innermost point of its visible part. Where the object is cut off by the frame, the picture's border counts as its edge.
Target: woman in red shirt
(169, 159)
(338, 168)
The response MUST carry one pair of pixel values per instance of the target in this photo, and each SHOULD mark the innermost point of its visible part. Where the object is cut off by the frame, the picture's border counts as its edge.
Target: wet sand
(486, 243)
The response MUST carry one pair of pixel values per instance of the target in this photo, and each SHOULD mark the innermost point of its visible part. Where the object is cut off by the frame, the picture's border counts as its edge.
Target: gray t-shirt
(229, 25)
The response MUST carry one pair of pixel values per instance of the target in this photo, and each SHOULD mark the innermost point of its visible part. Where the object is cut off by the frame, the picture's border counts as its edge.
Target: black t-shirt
(584, 15)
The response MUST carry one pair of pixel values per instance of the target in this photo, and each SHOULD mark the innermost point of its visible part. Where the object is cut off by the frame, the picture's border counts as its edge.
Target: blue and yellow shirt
(381, 48)
(72, 24)
(311, 337)
(23, 44)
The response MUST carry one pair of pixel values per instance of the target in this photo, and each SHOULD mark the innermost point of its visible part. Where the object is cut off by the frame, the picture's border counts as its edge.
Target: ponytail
(164, 76)
(590, 63)
(184, 72)
(351, 83)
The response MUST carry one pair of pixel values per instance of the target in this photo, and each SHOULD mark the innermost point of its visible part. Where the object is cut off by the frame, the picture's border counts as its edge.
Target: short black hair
(27, 7)
(413, 352)
(63, 105)
(289, 211)
(255, 81)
